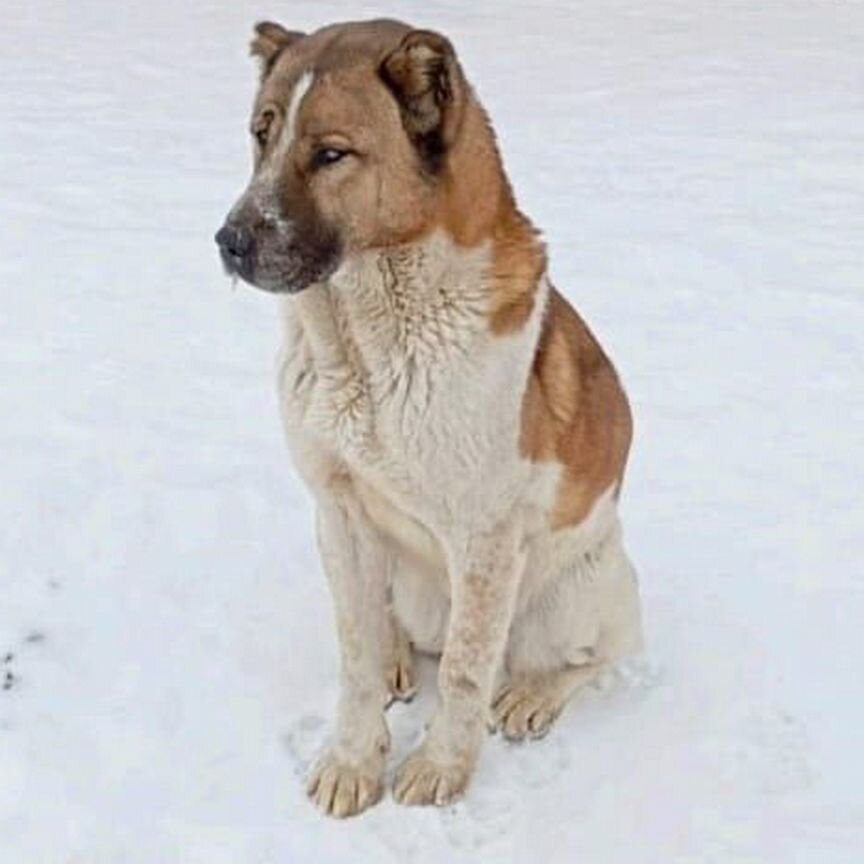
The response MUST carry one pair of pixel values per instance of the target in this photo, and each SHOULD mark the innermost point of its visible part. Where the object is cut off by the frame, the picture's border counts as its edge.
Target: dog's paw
(522, 711)
(423, 780)
(342, 789)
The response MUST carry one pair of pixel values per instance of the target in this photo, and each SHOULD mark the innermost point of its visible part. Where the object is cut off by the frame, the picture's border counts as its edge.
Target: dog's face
(350, 128)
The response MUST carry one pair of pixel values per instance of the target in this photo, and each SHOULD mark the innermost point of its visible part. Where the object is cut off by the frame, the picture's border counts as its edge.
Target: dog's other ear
(269, 41)
(424, 76)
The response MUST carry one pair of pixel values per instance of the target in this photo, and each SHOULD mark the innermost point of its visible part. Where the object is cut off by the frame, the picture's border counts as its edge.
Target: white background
(697, 168)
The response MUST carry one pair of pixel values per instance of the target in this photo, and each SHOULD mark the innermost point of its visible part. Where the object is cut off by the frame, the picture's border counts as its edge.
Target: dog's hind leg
(585, 619)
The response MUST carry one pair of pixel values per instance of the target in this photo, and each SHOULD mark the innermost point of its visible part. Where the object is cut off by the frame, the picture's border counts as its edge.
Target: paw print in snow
(9, 677)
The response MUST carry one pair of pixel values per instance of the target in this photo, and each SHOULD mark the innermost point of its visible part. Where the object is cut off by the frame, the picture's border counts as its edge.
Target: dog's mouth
(276, 272)
(281, 280)
(236, 267)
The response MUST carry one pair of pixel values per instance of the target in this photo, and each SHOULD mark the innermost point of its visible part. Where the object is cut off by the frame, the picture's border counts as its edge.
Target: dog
(461, 430)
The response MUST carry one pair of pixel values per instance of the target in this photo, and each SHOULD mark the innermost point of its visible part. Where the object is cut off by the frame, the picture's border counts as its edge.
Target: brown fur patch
(476, 205)
(426, 80)
(575, 412)
(519, 260)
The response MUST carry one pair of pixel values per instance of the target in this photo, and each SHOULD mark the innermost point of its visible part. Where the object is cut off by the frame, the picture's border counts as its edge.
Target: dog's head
(354, 128)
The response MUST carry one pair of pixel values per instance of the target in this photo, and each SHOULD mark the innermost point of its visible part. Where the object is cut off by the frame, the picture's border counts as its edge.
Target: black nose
(234, 240)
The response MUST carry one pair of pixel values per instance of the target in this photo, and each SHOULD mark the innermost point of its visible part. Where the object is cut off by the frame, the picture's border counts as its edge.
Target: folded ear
(269, 41)
(424, 76)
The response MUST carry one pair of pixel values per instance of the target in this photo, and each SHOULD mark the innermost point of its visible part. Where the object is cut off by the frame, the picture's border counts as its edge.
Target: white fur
(289, 130)
(262, 190)
(403, 412)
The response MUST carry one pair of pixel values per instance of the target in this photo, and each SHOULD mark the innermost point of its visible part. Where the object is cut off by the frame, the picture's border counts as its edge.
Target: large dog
(462, 432)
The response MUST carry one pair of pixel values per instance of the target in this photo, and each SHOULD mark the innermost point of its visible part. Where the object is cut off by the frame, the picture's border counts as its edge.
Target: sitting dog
(462, 432)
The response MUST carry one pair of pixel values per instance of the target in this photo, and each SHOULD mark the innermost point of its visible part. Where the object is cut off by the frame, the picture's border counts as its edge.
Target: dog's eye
(328, 156)
(261, 128)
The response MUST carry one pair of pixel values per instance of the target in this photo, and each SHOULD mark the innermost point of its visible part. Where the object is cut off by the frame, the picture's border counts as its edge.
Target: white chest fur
(391, 369)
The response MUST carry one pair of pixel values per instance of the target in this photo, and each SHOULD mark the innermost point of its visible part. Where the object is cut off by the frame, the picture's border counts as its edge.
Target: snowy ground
(165, 636)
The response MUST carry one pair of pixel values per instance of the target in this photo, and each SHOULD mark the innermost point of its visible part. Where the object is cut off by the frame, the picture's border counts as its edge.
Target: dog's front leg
(485, 576)
(349, 776)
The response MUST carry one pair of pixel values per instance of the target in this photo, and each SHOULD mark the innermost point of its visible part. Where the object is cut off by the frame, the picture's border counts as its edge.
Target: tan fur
(519, 264)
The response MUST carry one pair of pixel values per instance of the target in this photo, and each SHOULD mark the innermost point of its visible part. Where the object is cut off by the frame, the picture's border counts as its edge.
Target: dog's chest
(417, 349)
(405, 384)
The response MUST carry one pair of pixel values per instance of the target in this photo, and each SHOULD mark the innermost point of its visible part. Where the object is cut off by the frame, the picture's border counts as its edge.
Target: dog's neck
(421, 301)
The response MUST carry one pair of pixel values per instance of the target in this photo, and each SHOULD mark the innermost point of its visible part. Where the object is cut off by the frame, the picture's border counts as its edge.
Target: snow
(164, 627)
